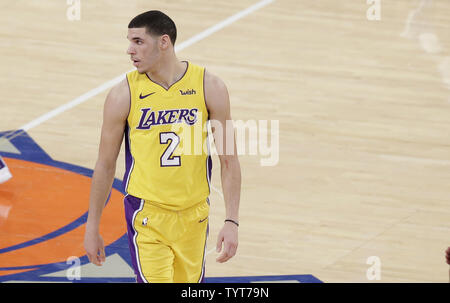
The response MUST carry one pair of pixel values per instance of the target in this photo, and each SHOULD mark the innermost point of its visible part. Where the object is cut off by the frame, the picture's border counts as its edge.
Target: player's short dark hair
(156, 23)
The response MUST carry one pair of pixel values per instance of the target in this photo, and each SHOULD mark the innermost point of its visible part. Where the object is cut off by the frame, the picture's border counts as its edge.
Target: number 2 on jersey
(167, 158)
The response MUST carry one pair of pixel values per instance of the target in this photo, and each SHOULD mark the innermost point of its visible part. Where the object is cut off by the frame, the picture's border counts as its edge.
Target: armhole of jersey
(130, 109)
(204, 92)
(208, 155)
(129, 159)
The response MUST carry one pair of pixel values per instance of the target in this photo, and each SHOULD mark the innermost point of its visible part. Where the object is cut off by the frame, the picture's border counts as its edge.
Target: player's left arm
(218, 103)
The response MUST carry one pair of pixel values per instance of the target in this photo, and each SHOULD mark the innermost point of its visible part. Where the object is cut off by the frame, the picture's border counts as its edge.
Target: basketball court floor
(343, 110)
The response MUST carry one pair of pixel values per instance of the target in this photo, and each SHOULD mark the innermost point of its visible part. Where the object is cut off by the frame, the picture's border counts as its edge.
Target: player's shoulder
(118, 99)
(120, 92)
(216, 93)
(214, 83)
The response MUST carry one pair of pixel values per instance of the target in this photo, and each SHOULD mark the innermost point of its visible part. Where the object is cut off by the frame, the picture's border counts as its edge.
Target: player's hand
(228, 235)
(447, 255)
(95, 249)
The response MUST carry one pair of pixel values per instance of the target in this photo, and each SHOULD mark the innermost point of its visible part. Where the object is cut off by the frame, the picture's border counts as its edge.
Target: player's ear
(164, 42)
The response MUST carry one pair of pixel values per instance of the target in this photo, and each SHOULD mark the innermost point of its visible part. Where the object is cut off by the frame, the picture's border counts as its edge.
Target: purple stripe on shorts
(132, 205)
(202, 275)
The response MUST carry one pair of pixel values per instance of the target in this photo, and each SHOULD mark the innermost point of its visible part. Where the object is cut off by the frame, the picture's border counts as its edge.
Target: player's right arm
(115, 113)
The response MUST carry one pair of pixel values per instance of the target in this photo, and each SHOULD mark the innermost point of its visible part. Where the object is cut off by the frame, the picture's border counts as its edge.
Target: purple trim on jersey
(204, 92)
(208, 161)
(184, 74)
(208, 171)
(133, 205)
(129, 90)
(129, 160)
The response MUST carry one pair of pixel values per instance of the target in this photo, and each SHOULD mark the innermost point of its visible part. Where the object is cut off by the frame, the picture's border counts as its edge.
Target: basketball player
(166, 206)
(5, 174)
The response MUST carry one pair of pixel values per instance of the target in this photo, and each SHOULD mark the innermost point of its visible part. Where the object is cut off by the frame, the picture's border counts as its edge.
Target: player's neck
(168, 72)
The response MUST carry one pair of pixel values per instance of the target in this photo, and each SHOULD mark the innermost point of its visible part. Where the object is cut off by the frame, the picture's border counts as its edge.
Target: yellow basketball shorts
(167, 246)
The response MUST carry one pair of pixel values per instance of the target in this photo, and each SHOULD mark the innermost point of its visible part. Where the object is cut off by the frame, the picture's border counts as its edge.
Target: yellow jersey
(166, 140)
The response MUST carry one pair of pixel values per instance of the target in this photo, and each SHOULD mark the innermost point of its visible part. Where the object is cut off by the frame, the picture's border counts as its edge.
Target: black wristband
(232, 221)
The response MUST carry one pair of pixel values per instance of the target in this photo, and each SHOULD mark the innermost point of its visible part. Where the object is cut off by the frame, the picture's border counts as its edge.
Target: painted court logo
(47, 210)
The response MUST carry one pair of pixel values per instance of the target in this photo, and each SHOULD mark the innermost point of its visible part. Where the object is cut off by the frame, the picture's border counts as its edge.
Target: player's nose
(130, 50)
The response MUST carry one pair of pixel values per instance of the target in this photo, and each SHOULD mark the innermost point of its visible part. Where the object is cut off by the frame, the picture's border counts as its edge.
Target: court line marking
(202, 35)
